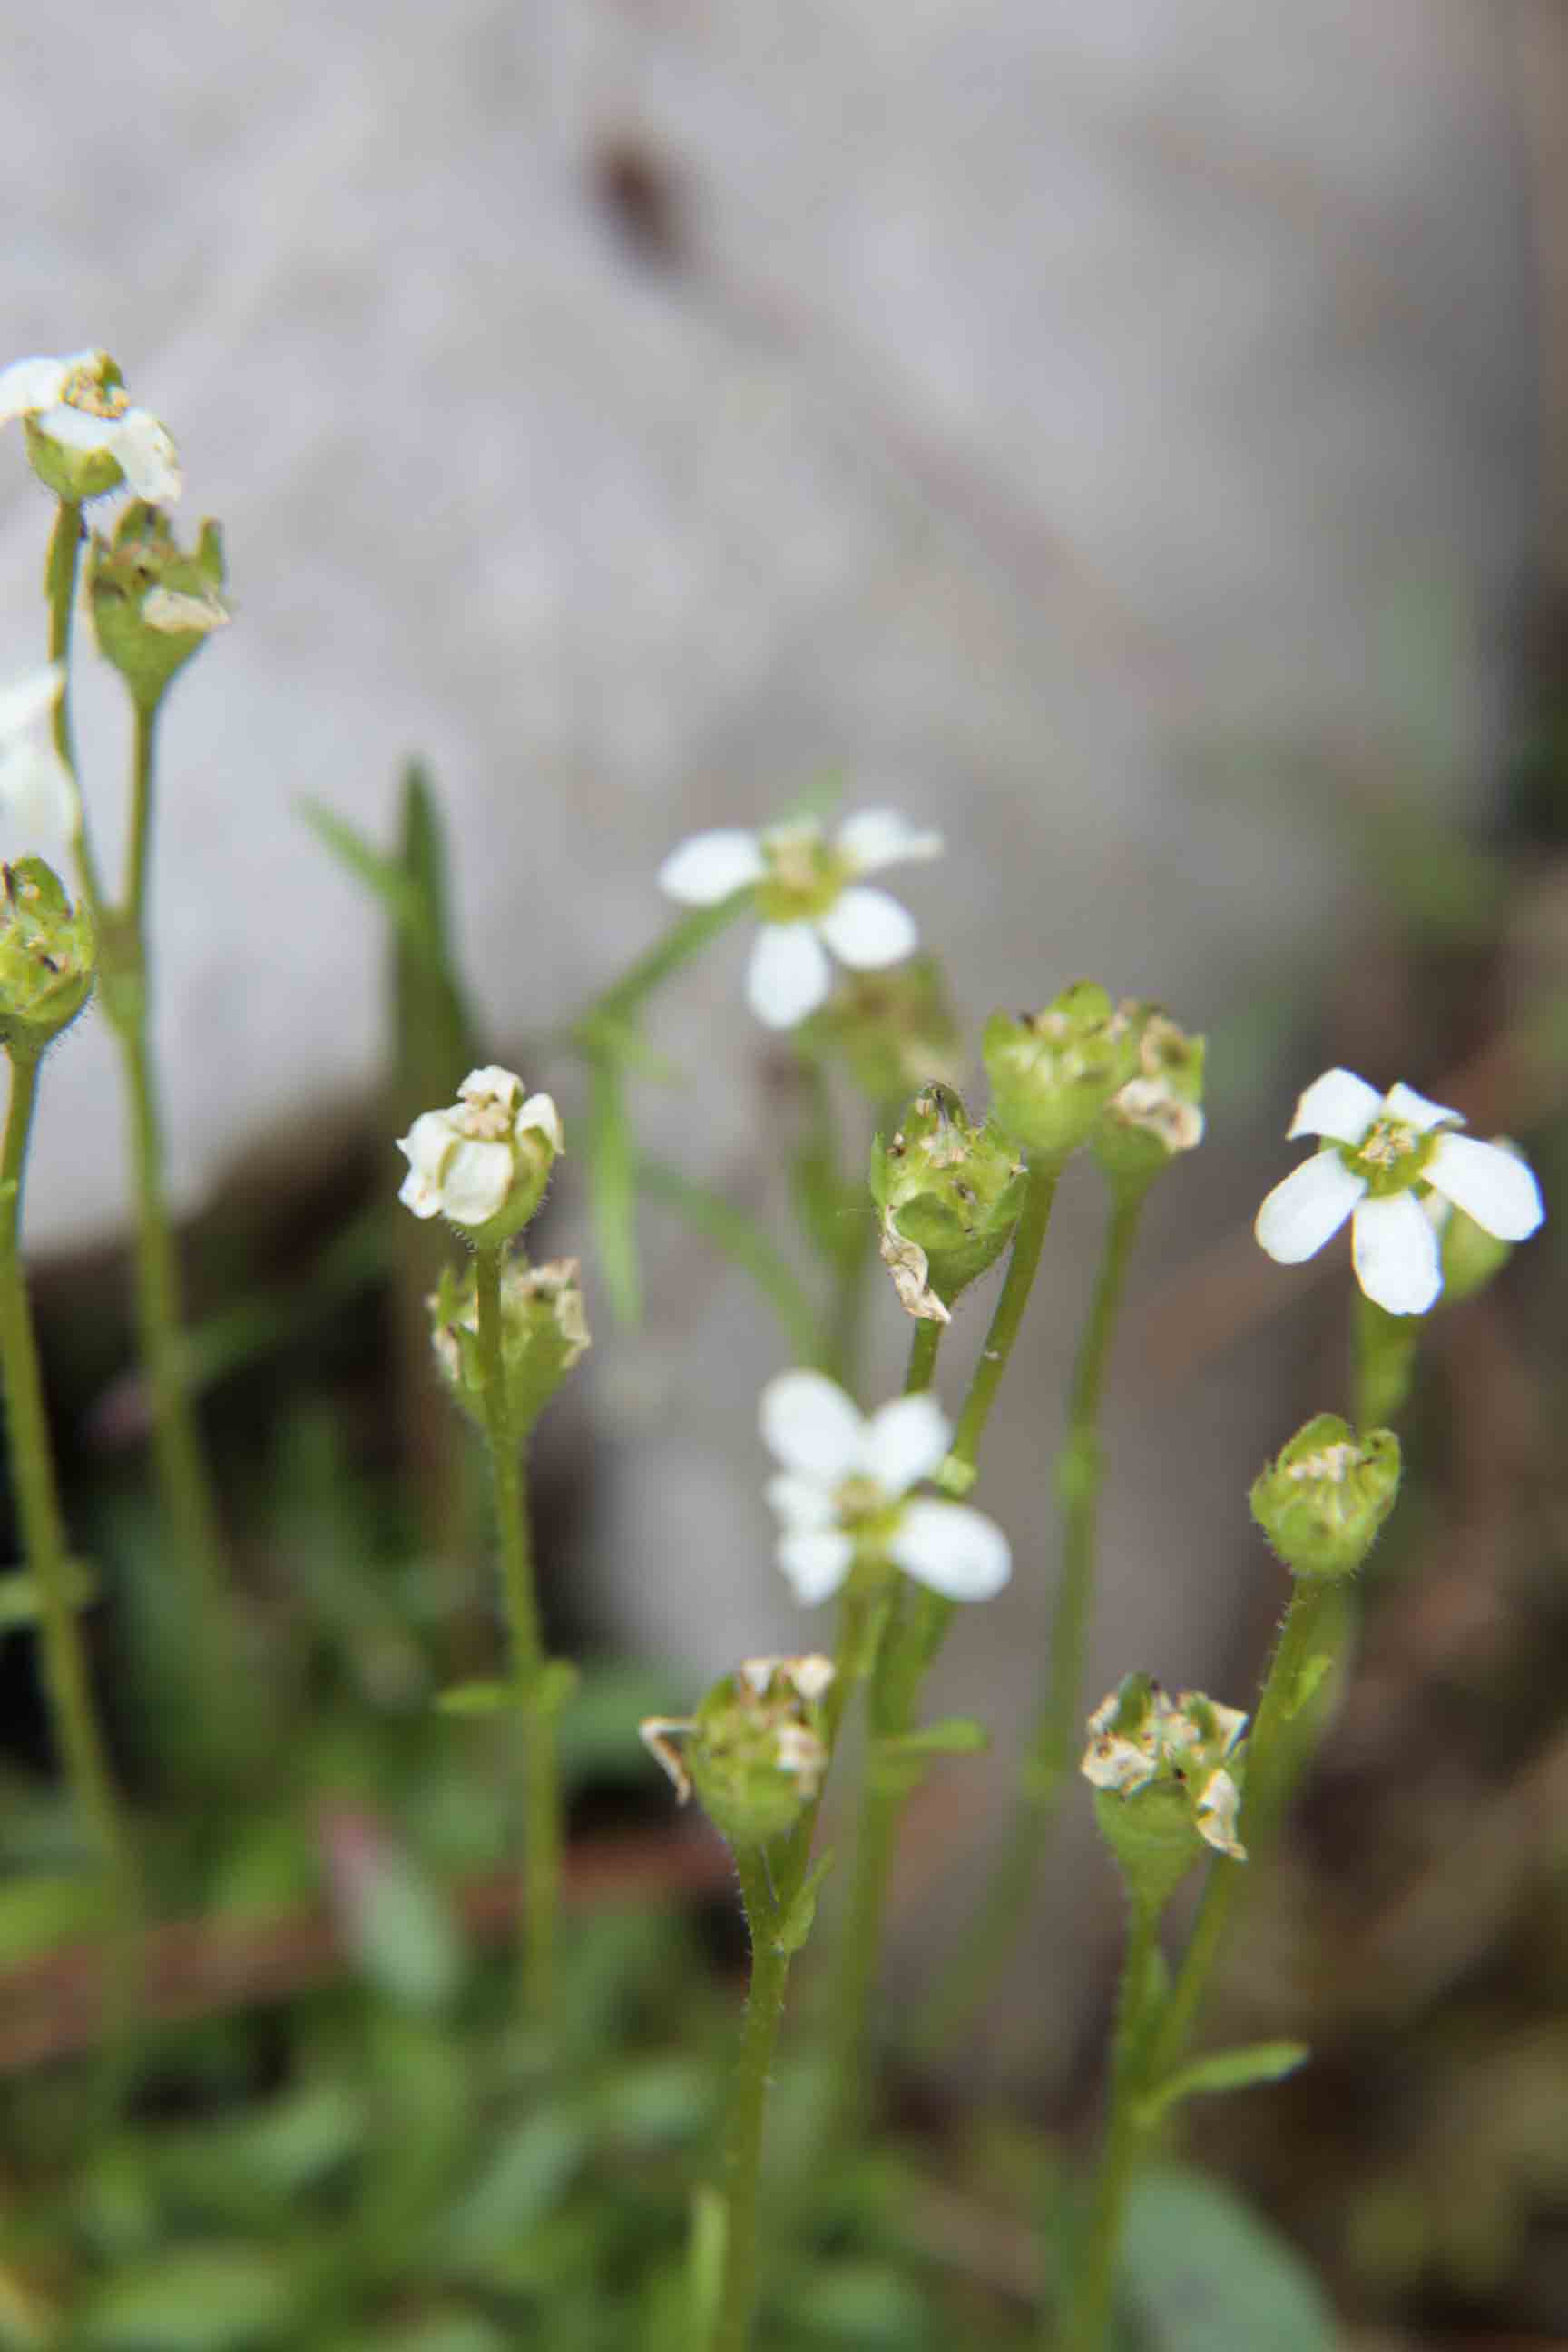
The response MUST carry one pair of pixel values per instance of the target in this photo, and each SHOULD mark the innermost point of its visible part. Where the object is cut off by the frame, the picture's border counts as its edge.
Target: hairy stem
(542, 1786)
(1049, 1761)
(749, 2101)
(72, 1713)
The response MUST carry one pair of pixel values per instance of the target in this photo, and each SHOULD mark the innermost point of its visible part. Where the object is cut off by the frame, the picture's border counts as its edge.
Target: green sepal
(143, 559)
(1053, 1072)
(800, 1914)
(1223, 2070)
(48, 956)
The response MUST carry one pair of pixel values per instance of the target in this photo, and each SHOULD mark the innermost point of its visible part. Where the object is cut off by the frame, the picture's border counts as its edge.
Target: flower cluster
(484, 1163)
(756, 1750)
(810, 896)
(84, 437)
(1140, 1736)
(844, 1494)
(1382, 1155)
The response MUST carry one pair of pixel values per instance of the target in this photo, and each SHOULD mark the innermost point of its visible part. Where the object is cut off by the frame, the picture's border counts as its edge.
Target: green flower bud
(1052, 1073)
(1158, 1113)
(1162, 1769)
(950, 1194)
(755, 1750)
(544, 1333)
(892, 1030)
(154, 605)
(47, 956)
(1323, 1502)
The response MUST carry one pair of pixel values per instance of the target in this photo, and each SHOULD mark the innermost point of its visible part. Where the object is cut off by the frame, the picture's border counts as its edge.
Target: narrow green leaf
(384, 876)
(797, 1924)
(1225, 2069)
(955, 1734)
(707, 2231)
(744, 1241)
(611, 1162)
(21, 1604)
(1206, 2272)
(477, 1698)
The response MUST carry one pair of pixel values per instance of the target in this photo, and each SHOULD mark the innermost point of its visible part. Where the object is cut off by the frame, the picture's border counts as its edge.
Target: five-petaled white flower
(1381, 1154)
(484, 1155)
(37, 798)
(843, 1486)
(79, 403)
(807, 891)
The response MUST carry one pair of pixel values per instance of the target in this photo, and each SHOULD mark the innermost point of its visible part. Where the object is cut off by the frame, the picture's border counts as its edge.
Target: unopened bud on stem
(1323, 1501)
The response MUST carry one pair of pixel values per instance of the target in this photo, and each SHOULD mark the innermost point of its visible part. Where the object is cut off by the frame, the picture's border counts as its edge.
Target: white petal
(1489, 1183)
(1339, 1104)
(475, 1182)
(182, 615)
(789, 974)
(1398, 1258)
(710, 867)
(28, 385)
(812, 1426)
(76, 429)
(27, 699)
(428, 1142)
(906, 1441)
(148, 458)
(868, 930)
(1403, 1102)
(957, 1551)
(539, 1111)
(38, 795)
(480, 1085)
(417, 1194)
(1311, 1204)
(875, 838)
(816, 1564)
(804, 1504)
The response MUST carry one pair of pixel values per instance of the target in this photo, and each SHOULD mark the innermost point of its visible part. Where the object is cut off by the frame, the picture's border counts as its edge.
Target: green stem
(1090, 2310)
(185, 1488)
(542, 1786)
(138, 836)
(60, 578)
(747, 2107)
(683, 941)
(1023, 1261)
(918, 1620)
(72, 1713)
(1273, 1759)
(1383, 1362)
(1056, 1737)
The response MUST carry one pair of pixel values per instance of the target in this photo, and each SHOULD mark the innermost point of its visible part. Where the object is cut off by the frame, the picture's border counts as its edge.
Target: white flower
(79, 403)
(483, 1156)
(1382, 1153)
(843, 1487)
(810, 897)
(36, 795)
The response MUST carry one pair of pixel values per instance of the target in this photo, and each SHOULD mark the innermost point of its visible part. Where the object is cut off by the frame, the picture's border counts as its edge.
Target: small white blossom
(811, 897)
(37, 797)
(465, 1163)
(1381, 1154)
(845, 1485)
(79, 403)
